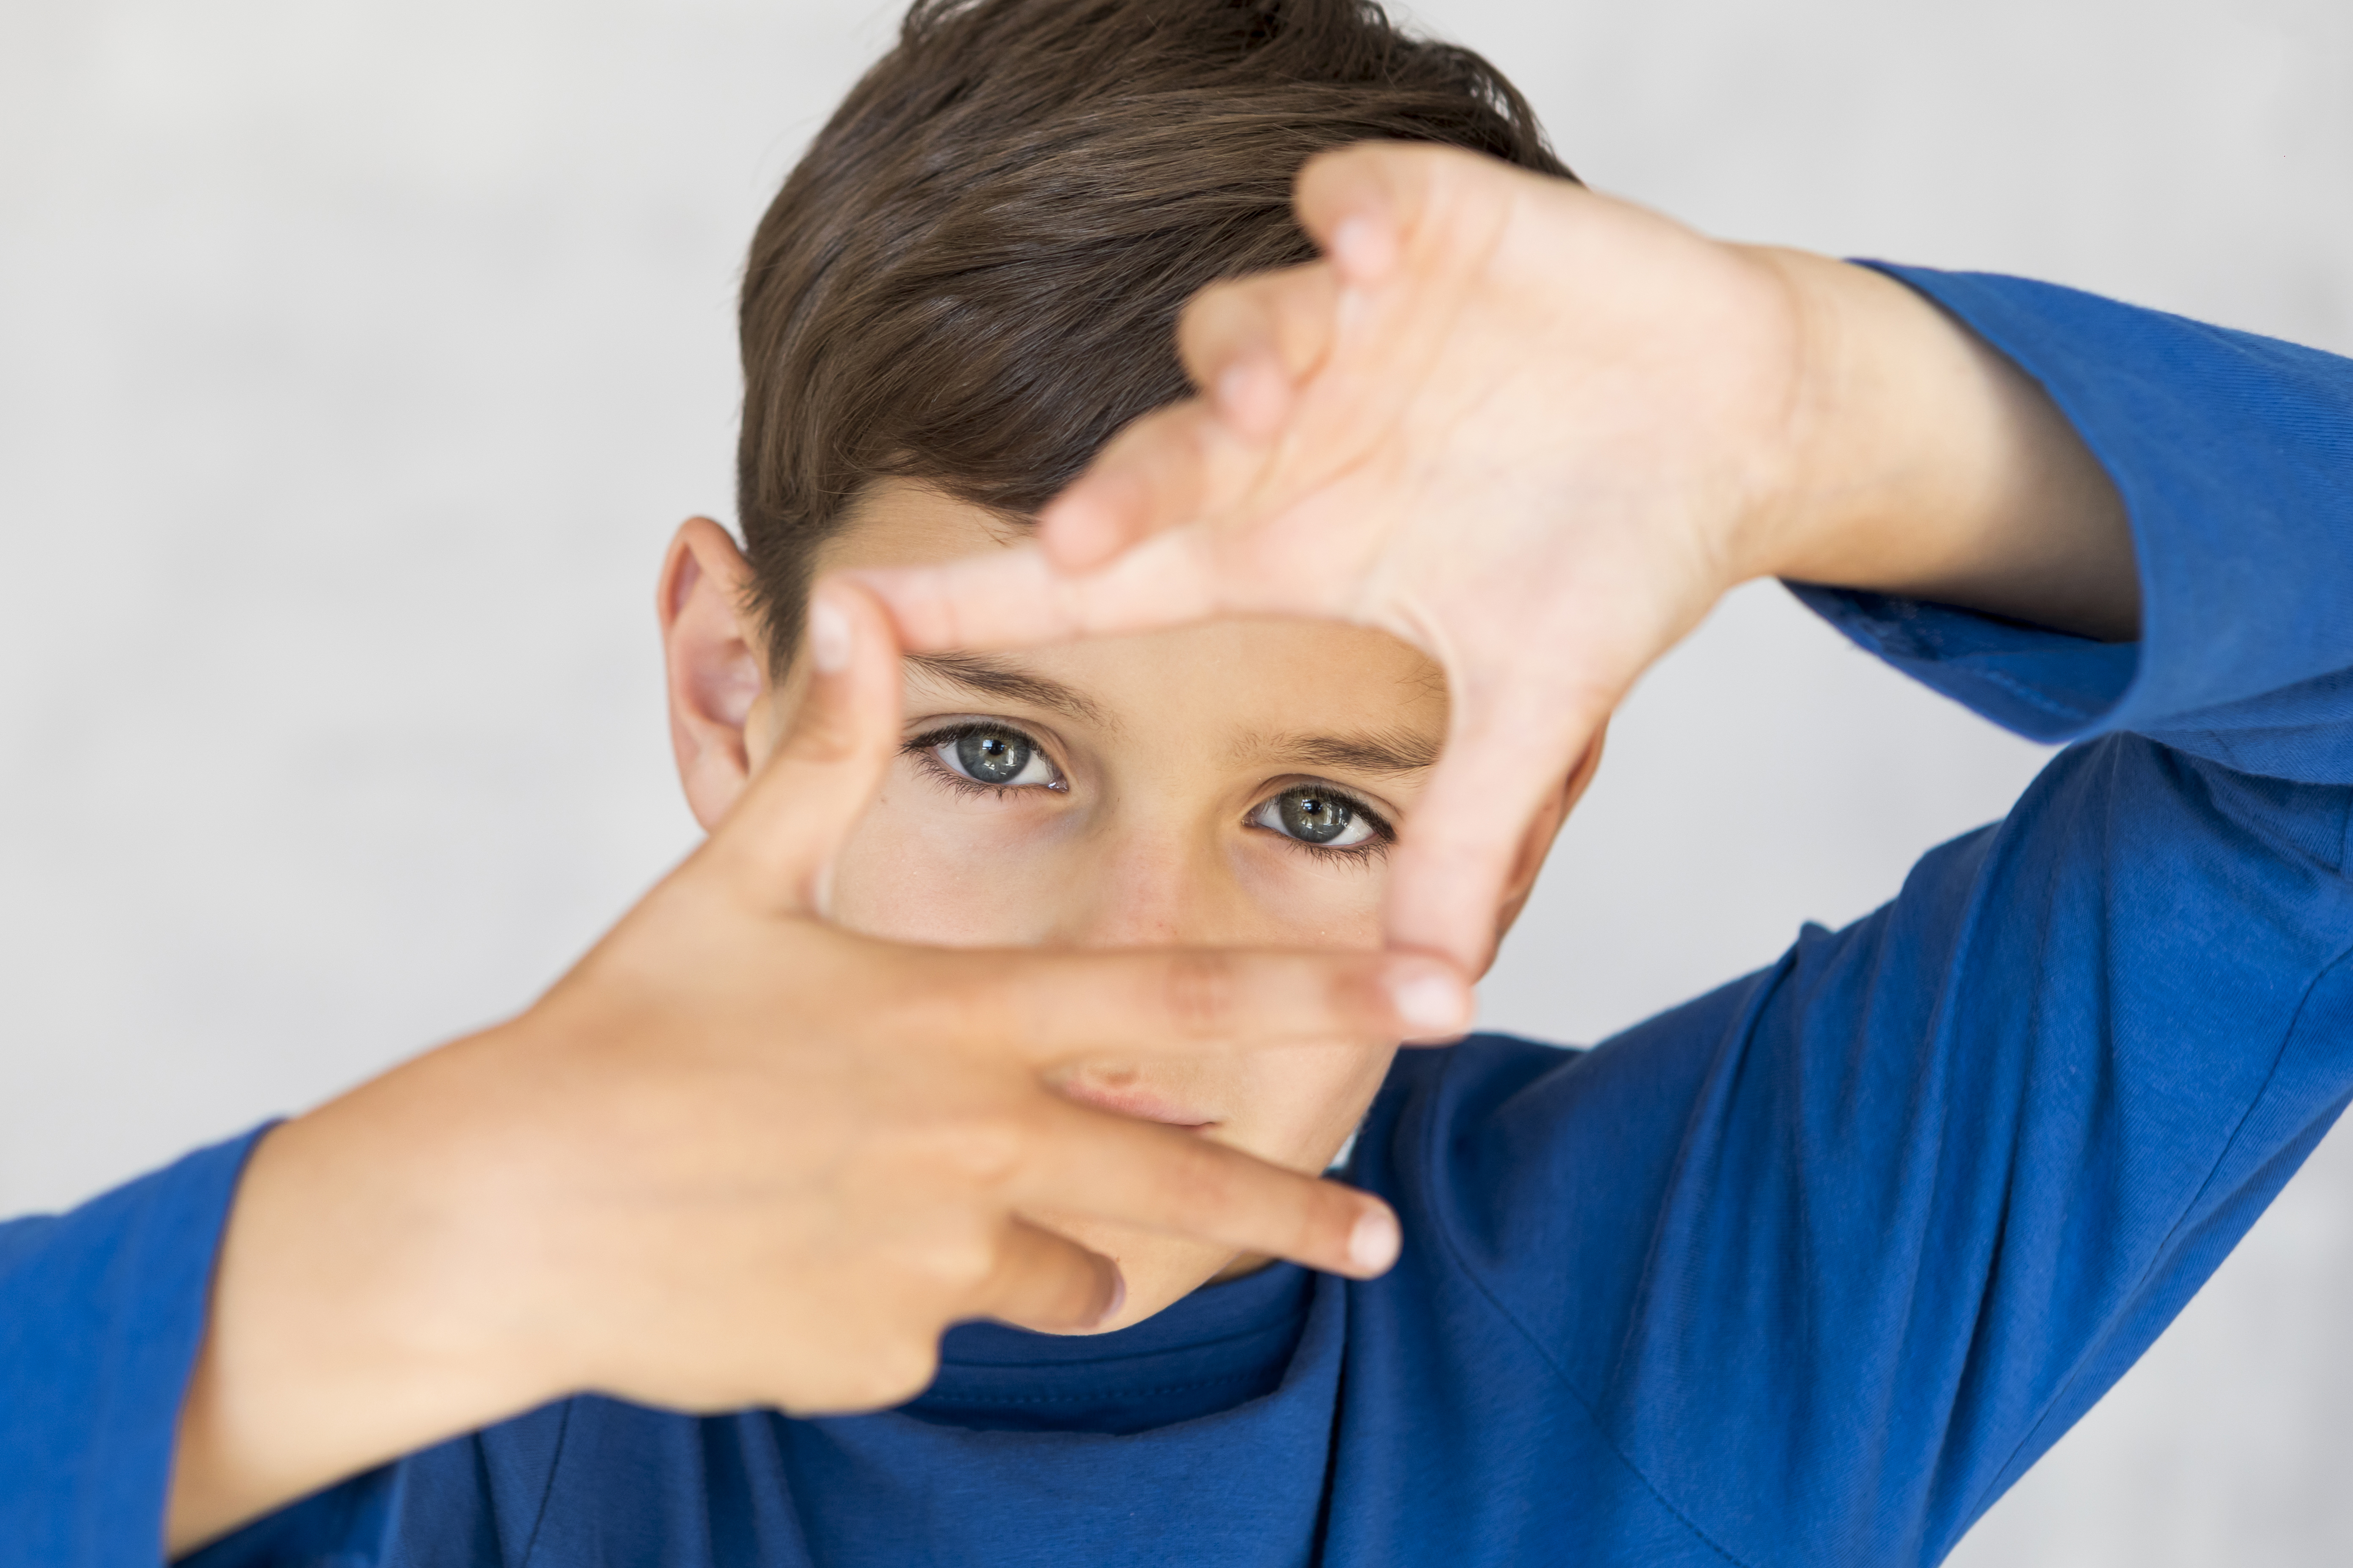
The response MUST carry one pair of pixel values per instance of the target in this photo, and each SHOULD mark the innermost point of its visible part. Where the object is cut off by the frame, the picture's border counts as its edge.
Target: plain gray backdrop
(356, 360)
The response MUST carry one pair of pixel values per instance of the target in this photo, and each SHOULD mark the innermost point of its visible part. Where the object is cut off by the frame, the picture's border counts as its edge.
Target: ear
(712, 652)
(1541, 832)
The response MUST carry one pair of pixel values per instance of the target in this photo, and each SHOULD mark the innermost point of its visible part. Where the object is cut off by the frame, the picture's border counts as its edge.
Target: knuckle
(958, 1259)
(965, 1002)
(1200, 993)
(1356, 1001)
(982, 1149)
(1211, 1187)
(898, 1369)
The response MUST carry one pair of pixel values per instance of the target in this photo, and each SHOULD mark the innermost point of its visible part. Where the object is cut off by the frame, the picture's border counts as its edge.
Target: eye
(1319, 816)
(995, 756)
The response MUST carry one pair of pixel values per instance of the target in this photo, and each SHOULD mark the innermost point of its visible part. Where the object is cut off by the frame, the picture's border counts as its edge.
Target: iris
(993, 756)
(1314, 816)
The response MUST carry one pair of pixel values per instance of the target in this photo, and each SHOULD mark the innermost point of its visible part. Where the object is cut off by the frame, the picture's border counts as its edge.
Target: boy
(1807, 1270)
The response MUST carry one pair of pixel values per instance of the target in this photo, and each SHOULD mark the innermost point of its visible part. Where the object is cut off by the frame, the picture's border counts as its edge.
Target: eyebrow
(994, 677)
(1385, 751)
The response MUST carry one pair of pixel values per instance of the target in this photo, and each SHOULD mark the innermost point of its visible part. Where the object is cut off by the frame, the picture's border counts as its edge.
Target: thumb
(828, 765)
(1506, 759)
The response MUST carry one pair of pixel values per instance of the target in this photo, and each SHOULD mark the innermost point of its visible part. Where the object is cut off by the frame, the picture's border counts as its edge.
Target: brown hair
(972, 277)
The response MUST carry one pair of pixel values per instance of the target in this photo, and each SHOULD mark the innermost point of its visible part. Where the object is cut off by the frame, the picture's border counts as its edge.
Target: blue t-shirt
(1809, 1271)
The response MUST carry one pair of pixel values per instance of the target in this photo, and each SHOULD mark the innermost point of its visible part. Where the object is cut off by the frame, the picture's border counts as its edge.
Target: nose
(1152, 891)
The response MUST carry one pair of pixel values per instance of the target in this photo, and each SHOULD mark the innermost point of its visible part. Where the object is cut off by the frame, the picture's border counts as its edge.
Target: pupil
(992, 757)
(1317, 818)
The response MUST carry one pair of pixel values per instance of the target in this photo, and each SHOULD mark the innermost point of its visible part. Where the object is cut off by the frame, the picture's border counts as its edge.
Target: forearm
(365, 1304)
(1926, 464)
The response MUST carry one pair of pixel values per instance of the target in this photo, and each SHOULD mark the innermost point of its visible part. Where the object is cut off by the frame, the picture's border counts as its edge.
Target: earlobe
(715, 674)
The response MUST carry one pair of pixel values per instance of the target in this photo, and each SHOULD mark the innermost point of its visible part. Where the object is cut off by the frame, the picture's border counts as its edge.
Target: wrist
(456, 1165)
(1844, 459)
(1924, 462)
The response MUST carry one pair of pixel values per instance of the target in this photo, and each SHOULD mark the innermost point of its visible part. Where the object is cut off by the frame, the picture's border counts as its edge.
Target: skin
(744, 1154)
(1161, 748)
(1536, 432)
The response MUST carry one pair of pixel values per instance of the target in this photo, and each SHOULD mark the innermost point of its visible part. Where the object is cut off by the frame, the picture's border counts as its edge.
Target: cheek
(1309, 900)
(956, 873)
(1296, 1106)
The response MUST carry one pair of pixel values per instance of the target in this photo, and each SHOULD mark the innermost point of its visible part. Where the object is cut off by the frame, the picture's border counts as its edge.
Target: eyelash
(1363, 854)
(924, 749)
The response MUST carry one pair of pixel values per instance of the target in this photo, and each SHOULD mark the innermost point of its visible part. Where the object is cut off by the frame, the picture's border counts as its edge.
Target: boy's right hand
(740, 1157)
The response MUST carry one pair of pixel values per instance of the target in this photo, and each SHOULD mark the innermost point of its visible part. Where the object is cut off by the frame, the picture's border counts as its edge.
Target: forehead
(1254, 674)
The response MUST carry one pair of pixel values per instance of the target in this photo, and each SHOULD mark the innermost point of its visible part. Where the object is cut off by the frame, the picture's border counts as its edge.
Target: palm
(1542, 488)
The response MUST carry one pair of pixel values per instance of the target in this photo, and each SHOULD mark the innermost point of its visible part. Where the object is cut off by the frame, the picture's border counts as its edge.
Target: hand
(1537, 432)
(740, 1157)
(1511, 423)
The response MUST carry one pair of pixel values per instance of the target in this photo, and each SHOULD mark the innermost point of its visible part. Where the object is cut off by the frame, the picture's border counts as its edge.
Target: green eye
(993, 756)
(1317, 816)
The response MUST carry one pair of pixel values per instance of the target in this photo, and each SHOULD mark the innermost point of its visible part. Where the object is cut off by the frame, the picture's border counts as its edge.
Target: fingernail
(1429, 999)
(1363, 247)
(828, 637)
(1373, 1244)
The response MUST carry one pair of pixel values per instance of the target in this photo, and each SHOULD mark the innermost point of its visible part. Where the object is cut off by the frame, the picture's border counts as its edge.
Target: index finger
(1111, 1167)
(1469, 835)
(1053, 1008)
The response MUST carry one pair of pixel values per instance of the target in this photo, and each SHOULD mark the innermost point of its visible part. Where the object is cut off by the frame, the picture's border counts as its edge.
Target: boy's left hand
(1536, 433)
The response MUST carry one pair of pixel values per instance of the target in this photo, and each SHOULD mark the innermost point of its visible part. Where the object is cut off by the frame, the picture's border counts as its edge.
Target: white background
(356, 360)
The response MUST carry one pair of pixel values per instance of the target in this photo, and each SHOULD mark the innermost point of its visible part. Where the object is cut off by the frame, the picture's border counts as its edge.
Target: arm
(100, 1314)
(1880, 1222)
(1926, 464)
(1851, 1242)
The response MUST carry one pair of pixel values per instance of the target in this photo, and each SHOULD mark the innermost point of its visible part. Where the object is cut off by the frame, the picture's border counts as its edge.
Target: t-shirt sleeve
(1832, 1255)
(2234, 455)
(101, 1311)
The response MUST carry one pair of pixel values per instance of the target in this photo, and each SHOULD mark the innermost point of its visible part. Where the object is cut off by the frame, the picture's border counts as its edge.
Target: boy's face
(1227, 785)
